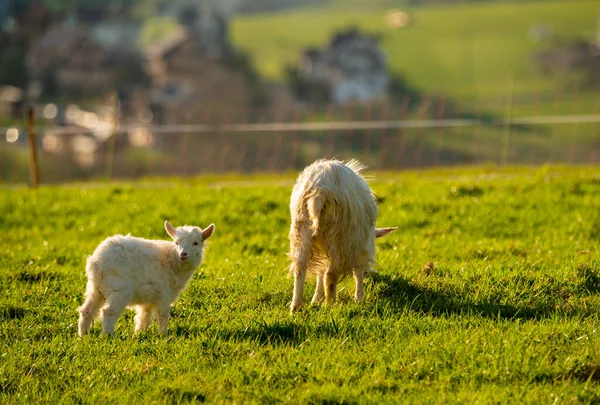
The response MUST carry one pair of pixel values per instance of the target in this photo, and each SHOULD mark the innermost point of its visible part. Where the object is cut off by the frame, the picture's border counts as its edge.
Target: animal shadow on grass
(177, 396)
(398, 294)
(288, 332)
(277, 333)
(11, 312)
(35, 277)
(330, 400)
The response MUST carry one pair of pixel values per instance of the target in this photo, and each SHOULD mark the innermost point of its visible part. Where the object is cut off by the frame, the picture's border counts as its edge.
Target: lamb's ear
(208, 231)
(379, 232)
(170, 230)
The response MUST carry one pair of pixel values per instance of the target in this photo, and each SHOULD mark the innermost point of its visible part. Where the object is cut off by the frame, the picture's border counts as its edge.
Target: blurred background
(130, 88)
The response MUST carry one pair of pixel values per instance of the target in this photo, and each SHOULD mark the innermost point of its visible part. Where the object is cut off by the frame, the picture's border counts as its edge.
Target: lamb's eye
(195, 243)
(177, 243)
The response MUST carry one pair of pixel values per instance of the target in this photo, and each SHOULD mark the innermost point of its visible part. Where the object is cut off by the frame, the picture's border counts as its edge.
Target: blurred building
(197, 67)
(565, 58)
(67, 60)
(352, 67)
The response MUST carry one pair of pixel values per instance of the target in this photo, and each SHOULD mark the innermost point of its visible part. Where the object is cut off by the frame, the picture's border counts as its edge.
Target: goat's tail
(315, 205)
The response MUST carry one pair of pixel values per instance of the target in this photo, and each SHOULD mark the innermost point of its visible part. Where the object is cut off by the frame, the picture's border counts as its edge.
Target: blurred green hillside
(466, 50)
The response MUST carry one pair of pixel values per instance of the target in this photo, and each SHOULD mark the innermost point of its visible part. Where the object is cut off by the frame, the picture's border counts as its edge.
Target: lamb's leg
(359, 293)
(89, 310)
(162, 317)
(143, 318)
(115, 304)
(299, 265)
(319, 290)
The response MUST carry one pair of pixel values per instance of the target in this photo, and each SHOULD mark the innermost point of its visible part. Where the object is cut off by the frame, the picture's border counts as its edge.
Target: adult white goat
(333, 232)
(126, 271)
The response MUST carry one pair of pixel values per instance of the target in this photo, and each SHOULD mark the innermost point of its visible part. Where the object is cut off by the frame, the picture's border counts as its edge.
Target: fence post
(184, 146)
(441, 110)
(383, 146)
(331, 135)
(507, 121)
(422, 115)
(367, 134)
(110, 146)
(400, 135)
(33, 158)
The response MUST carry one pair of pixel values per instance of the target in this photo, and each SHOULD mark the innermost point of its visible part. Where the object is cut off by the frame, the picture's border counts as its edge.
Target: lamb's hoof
(295, 308)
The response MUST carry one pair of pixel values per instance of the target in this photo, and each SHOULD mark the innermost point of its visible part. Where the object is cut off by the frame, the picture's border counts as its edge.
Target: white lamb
(149, 275)
(333, 232)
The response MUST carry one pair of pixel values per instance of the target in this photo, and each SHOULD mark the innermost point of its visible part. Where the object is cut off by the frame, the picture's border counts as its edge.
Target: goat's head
(189, 240)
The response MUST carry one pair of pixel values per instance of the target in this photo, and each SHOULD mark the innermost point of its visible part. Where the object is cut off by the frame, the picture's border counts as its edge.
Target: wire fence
(431, 132)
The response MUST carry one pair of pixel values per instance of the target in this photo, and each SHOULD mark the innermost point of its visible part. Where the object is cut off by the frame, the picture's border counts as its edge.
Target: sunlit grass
(507, 313)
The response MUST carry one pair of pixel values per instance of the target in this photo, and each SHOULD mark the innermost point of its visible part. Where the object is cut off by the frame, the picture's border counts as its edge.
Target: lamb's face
(189, 241)
(189, 244)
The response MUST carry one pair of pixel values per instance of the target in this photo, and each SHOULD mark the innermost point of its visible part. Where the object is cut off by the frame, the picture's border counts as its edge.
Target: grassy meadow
(508, 313)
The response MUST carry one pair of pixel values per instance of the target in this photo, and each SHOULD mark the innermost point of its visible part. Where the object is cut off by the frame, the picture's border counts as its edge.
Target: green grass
(467, 51)
(508, 314)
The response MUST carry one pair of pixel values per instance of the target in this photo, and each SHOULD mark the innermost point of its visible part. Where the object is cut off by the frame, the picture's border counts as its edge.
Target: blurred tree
(155, 29)
(12, 64)
(32, 17)
(188, 15)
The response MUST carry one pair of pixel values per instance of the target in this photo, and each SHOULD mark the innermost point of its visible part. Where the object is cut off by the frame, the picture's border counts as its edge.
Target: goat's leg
(89, 310)
(143, 318)
(319, 290)
(115, 304)
(300, 260)
(163, 312)
(299, 268)
(359, 293)
(330, 283)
